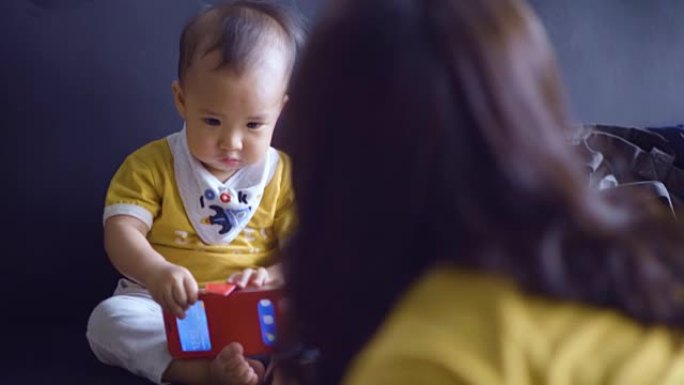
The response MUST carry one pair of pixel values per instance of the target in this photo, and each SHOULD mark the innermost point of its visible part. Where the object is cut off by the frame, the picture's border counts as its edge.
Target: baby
(212, 202)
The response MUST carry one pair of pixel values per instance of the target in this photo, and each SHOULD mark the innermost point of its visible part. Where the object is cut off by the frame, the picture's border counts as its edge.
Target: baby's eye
(254, 125)
(211, 121)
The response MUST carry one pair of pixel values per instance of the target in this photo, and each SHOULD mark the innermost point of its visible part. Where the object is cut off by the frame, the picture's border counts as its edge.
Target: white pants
(127, 330)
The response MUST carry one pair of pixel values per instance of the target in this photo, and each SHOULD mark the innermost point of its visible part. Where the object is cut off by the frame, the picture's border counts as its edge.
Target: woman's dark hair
(435, 132)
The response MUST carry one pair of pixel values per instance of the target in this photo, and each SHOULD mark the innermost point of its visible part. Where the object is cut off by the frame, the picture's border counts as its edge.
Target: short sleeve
(134, 189)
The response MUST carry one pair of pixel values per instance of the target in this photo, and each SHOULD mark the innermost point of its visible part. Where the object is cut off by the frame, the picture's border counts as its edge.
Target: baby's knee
(128, 331)
(104, 326)
(103, 318)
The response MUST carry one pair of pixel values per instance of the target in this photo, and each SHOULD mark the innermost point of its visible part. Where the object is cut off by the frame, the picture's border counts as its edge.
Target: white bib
(219, 211)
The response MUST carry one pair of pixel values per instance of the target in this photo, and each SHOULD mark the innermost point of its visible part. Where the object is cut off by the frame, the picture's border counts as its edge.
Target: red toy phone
(224, 314)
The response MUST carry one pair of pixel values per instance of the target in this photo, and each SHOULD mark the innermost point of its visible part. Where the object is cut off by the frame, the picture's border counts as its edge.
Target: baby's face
(230, 118)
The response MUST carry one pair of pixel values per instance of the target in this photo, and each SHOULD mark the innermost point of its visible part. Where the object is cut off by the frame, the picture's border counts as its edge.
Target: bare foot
(231, 367)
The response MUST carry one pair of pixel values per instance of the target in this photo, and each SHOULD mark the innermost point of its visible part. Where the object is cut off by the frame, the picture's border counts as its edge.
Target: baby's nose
(231, 141)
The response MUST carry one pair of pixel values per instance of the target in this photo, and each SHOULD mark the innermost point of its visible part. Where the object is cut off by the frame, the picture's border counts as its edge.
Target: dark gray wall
(623, 60)
(84, 82)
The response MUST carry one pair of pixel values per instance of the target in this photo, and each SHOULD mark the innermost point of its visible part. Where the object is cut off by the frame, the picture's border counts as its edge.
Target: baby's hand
(254, 278)
(174, 288)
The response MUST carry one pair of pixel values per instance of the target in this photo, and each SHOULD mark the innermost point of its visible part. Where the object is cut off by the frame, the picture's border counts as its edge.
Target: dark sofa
(84, 82)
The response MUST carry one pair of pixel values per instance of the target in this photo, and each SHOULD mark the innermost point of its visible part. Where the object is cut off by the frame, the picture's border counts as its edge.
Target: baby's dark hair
(240, 30)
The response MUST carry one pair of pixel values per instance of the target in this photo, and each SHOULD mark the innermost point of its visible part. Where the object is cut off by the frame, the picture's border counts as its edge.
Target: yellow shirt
(456, 327)
(146, 181)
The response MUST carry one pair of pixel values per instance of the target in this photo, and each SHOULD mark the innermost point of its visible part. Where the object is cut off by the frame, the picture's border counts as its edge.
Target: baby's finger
(179, 295)
(260, 277)
(191, 290)
(246, 276)
(172, 306)
(234, 278)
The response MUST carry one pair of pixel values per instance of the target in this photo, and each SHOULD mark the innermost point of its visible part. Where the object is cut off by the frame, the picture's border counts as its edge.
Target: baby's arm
(172, 286)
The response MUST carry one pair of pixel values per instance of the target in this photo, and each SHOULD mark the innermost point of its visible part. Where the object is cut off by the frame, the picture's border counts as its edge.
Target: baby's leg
(127, 330)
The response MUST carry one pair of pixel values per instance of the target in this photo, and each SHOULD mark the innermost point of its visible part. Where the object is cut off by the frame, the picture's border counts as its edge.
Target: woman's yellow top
(461, 327)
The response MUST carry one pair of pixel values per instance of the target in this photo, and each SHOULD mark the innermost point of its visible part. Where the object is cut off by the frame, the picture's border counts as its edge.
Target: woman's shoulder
(441, 328)
(459, 326)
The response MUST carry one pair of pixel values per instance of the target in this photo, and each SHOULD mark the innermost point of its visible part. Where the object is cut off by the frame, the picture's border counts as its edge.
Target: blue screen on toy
(193, 330)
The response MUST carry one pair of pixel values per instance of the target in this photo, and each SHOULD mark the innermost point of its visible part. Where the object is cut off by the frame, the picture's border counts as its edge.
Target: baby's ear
(178, 97)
